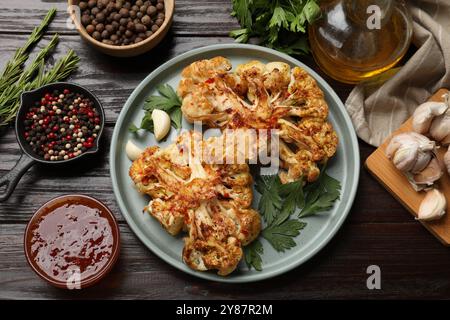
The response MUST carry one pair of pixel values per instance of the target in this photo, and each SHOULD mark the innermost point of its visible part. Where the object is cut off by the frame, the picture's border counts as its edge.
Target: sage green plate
(320, 229)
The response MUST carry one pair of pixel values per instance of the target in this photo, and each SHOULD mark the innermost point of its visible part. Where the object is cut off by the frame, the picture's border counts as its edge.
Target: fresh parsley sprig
(168, 101)
(278, 24)
(278, 204)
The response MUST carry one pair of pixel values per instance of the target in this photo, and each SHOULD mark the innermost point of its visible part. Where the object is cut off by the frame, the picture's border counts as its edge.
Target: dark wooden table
(378, 230)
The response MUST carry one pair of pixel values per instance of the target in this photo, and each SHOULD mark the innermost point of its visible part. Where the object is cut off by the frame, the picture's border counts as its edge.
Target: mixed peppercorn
(119, 22)
(62, 125)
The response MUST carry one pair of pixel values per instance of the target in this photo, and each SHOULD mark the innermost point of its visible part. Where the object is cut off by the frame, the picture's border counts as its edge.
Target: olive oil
(349, 45)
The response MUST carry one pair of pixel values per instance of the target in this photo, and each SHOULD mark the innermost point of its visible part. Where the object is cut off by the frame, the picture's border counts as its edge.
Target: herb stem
(14, 67)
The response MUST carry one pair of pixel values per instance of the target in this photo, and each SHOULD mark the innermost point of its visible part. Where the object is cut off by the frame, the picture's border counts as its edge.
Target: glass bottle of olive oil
(355, 40)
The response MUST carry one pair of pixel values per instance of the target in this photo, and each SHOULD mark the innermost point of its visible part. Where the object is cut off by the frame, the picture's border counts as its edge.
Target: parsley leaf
(270, 201)
(280, 24)
(132, 128)
(168, 101)
(147, 122)
(322, 195)
(252, 255)
(176, 117)
(281, 236)
(294, 198)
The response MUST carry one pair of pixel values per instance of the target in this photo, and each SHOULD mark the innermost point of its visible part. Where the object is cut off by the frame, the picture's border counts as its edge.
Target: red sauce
(72, 235)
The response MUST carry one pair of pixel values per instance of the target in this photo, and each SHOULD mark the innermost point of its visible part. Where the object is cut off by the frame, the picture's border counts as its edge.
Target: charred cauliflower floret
(217, 231)
(263, 96)
(211, 201)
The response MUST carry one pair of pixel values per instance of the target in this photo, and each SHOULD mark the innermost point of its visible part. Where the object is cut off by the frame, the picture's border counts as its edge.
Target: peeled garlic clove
(447, 160)
(433, 206)
(440, 127)
(430, 174)
(133, 151)
(161, 123)
(425, 113)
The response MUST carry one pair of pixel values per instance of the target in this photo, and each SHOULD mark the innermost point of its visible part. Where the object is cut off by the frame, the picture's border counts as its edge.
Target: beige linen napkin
(376, 110)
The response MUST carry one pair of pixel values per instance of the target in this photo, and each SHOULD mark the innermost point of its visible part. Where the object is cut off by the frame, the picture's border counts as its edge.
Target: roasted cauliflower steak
(210, 201)
(263, 96)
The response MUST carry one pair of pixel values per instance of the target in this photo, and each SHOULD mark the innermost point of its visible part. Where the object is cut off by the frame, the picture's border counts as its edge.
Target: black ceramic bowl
(28, 157)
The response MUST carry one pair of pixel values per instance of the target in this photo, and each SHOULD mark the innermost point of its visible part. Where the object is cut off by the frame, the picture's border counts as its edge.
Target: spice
(15, 78)
(117, 22)
(62, 125)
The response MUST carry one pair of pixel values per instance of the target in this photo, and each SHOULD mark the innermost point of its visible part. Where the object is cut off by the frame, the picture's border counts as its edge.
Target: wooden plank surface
(397, 183)
(378, 230)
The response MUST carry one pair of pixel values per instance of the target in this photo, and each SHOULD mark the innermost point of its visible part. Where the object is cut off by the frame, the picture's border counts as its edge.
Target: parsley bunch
(279, 24)
(168, 101)
(278, 205)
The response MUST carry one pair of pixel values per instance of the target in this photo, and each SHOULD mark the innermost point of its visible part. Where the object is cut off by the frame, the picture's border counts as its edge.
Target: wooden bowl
(128, 50)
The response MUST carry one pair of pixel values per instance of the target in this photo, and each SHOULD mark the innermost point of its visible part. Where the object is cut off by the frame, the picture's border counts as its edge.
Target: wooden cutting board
(397, 184)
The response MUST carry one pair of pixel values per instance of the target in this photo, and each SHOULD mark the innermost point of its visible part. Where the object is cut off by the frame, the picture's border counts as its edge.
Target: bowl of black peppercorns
(122, 28)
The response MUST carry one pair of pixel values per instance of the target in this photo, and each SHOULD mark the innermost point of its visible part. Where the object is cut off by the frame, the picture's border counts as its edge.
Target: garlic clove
(447, 160)
(425, 113)
(405, 158)
(422, 160)
(446, 140)
(161, 123)
(440, 127)
(430, 174)
(410, 151)
(433, 206)
(133, 151)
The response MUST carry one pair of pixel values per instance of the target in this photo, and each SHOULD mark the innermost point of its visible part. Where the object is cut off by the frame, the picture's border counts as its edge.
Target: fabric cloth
(377, 110)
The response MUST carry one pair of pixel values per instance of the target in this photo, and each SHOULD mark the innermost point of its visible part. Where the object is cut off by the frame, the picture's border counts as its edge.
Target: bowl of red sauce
(72, 241)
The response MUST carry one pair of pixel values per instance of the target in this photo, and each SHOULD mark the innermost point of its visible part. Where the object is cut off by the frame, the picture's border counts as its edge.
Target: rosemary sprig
(11, 94)
(14, 67)
(62, 69)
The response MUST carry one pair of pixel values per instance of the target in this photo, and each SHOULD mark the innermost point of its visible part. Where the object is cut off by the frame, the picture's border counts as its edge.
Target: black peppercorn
(100, 27)
(92, 3)
(151, 10)
(124, 12)
(100, 17)
(105, 34)
(140, 28)
(146, 20)
(85, 20)
(96, 35)
(83, 5)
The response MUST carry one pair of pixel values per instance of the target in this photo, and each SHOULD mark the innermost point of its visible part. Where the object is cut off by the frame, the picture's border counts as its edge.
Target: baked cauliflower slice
(263, 96)
(211, 201)
(217, 231)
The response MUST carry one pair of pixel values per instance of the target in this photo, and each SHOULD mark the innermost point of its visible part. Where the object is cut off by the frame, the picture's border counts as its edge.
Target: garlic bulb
(447, 160)
(132, 150)
(433, 206)
(425, 113)
(161, 123)
(410, 151)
